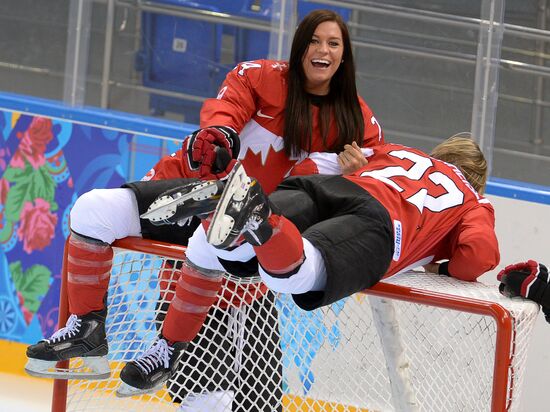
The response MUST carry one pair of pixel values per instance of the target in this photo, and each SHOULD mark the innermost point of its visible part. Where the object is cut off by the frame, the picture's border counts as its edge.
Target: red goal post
(417, 342)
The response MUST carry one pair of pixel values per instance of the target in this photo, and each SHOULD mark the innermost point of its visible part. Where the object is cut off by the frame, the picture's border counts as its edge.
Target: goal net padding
(413, 342)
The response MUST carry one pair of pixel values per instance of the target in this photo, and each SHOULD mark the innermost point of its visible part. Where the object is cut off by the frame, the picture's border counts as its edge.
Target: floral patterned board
(45, 164)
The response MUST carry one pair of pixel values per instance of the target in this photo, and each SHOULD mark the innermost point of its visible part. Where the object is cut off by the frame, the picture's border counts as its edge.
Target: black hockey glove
(529, 280)
(213, 151)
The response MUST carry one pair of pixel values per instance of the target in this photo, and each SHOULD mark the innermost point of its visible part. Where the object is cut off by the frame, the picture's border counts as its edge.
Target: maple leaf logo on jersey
(269, 172)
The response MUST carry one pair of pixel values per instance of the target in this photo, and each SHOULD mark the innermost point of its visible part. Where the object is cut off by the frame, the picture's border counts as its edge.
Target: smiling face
(323, 57)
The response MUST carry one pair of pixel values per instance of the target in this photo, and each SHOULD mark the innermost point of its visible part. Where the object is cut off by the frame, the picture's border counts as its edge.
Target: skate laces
(71, 328)
(156, 355)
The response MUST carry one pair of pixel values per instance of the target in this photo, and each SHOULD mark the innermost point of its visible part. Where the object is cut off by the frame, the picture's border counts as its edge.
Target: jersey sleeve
(236, 101)
(173, 166)
(322, 163)
(373, 130)
(475, 250)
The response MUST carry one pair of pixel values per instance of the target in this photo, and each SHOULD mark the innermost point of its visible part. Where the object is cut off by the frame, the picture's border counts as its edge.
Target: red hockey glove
(204, 152)
(529, 280)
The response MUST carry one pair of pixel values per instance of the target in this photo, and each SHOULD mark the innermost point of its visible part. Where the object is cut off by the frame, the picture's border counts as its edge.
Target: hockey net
(415, 342)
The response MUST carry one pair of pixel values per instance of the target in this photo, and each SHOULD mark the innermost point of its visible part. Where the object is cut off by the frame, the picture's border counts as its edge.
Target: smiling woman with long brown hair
(322, 69)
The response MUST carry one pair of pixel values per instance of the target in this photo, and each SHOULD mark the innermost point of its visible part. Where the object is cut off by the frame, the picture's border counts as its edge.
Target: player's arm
(374, 135)
(222, 118)
(171, 167)
(351, 159)
(236, 101)
(475, 250)
(206, 153)
(211, 151)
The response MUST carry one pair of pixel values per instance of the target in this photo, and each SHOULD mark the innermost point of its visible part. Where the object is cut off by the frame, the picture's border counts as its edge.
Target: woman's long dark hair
(342, 98)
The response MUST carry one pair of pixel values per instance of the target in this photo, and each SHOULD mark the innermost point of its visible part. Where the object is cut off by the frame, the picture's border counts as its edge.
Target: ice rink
(24, 394)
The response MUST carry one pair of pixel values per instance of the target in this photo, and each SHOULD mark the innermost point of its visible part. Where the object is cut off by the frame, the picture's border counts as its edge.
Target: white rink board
(523, 230)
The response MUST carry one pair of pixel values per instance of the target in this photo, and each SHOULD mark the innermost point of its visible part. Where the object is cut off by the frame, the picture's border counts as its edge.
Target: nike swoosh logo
(260, 114)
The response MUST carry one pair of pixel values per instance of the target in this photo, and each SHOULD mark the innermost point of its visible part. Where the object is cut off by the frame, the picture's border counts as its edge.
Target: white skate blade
(92, 367)
(125, 390)
(236, 188)
(165, 207)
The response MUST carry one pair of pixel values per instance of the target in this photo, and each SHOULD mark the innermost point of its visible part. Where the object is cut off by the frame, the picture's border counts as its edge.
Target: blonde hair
(461, 151)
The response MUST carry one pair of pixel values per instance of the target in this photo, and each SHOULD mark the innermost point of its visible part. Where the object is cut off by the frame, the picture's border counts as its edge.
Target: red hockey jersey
(252, 101)
(436, 213)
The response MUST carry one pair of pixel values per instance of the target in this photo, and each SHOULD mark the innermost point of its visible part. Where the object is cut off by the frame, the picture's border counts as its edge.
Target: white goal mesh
(434, 352)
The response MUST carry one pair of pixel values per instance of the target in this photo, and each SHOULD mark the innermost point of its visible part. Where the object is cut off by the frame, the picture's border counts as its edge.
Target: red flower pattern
(33, 144)
(37, 225)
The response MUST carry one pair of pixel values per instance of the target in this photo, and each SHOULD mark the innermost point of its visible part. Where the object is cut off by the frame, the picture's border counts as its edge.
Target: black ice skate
(82, 337)
(151, 370)
(180, 204)
(242, 209)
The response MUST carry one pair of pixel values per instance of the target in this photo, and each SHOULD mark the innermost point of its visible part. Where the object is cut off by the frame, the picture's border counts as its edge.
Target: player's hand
(529, 280)
(213, 151)
(351, 159)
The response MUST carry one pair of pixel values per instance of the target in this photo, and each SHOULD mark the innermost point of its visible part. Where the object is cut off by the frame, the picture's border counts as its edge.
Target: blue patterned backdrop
(45, 164)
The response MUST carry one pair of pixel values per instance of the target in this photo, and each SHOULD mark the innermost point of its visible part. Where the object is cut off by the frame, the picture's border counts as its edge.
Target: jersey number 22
(420, 165)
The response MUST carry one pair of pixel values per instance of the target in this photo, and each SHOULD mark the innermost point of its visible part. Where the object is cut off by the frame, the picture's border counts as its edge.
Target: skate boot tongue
(151, 370)
(71, 329)
(156, 355)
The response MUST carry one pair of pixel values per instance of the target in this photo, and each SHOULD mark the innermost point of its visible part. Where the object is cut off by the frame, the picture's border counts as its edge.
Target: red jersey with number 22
(436, 213)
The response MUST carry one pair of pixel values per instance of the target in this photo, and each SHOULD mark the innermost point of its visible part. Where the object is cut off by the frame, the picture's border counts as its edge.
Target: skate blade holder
(218, 233)
(236, 190)
(161, 209)
(92, 368)
(125, 391)
(165, 207)
(242, 186)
